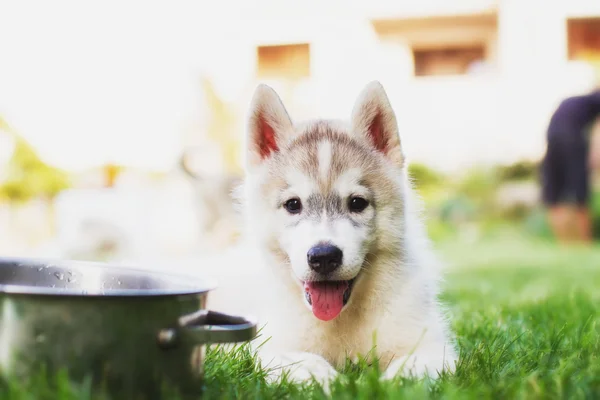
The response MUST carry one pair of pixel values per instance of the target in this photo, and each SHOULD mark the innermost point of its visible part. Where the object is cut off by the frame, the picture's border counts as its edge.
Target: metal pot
(135, 334)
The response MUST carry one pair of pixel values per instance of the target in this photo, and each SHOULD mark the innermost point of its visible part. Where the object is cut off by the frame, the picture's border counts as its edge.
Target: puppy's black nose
(324, 258)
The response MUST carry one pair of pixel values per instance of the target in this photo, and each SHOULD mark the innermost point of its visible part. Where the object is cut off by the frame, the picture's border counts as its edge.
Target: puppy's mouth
(328, 298)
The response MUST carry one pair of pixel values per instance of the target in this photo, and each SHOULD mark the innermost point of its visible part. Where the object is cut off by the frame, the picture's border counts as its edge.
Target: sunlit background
(99, 103)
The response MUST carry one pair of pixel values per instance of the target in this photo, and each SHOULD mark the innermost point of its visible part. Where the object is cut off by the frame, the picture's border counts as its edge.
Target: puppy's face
(331, 192)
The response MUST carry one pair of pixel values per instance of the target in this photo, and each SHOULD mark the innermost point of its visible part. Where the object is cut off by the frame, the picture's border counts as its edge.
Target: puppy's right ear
(269, 126)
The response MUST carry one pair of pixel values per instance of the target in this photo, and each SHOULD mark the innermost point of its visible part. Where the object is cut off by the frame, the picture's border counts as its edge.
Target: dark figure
(566, 167)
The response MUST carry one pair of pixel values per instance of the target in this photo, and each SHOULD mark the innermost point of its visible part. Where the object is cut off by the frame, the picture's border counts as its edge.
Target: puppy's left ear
(374, 120)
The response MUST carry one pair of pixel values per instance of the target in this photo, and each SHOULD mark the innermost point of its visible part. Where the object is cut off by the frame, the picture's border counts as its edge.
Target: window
(456, 60)
(444, 45)
(583, 38)
(284, 61)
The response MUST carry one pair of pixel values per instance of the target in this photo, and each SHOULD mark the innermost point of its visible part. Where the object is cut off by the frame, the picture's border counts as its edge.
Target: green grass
(527, 320)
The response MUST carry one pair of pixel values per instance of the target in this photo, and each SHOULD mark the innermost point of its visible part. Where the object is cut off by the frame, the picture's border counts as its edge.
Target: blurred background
(122, 123)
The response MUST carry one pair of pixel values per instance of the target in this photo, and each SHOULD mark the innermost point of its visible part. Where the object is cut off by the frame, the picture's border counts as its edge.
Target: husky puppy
(345, 264)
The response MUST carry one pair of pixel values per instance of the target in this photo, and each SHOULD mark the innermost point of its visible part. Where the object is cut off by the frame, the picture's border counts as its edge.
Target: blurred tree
(29, 177)
(424, 176)
(518, 171)
(3, 125)
(111, 173)
(222, 126)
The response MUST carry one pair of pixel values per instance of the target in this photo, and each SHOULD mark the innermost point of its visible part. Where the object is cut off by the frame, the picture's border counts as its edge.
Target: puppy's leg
(299, 367)
(426, 360)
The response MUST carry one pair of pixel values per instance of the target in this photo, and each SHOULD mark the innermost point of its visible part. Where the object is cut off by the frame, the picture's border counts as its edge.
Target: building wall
(450, 122)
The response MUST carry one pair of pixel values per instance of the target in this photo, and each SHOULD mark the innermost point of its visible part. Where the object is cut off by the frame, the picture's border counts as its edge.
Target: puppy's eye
(357, 204)
(293, 206)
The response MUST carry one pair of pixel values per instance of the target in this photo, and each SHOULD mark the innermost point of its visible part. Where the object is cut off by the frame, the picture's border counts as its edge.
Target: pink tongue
(327, 298)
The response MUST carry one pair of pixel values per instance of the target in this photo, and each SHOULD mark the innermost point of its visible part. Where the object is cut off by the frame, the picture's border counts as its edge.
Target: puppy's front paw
(300, 367)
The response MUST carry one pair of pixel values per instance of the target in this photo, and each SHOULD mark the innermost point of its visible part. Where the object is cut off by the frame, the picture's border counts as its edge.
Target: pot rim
(186, 284)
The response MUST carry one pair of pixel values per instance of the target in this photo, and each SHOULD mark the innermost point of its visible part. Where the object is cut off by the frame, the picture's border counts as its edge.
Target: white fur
(347, 184)
(325, 154)
(296, 242)
(394, 303)
(300, 185)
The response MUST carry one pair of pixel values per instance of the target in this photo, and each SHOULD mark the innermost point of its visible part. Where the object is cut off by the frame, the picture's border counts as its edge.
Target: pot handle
(213, 327)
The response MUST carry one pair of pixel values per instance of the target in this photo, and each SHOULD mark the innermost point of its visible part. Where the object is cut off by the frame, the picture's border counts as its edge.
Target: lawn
(527, 319)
